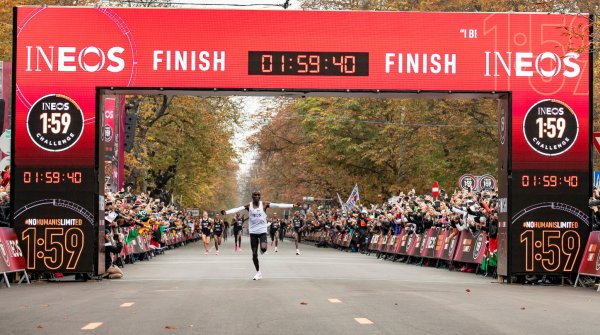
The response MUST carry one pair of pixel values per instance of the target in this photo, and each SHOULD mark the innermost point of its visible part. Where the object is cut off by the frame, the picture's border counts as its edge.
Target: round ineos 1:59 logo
(550, 127)
(55, 122)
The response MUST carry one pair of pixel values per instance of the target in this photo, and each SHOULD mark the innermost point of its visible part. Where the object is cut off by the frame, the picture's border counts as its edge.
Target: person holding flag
(257, 225)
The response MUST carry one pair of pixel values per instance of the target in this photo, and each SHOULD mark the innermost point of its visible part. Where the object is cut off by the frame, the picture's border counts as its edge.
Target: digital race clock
(308, 63)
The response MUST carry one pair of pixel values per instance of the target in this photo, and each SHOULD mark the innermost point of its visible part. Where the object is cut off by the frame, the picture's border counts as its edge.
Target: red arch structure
(65, 59)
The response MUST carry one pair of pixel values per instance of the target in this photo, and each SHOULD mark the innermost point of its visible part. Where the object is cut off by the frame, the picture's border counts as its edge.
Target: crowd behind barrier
(139, 228)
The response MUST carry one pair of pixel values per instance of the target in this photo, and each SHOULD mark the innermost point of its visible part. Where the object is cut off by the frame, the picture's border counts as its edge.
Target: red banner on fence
(429, 243)
(414, 245)
(471, 248)
(374, 243)
(590, 263)
(391, 243)
(12, 256)
(447, 245)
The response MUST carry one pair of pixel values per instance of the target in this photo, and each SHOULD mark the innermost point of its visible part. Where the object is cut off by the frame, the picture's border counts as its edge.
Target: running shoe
(297, 252)
(275, 249)
(257, 276)
(217, 253)
(205, 252)
(239, 248)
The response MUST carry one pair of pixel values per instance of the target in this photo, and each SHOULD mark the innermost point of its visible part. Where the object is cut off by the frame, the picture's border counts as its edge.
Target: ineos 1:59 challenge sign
(522, 59)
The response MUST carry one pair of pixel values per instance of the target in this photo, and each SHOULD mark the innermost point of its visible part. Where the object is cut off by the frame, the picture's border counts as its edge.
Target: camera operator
(595, 206)
(109, 248)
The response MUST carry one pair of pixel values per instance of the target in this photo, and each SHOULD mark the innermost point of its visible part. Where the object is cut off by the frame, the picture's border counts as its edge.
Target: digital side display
(308, 63)
(55, 217)
(550, 223)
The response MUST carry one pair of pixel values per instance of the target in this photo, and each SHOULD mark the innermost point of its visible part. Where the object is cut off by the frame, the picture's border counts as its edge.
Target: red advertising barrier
(590, 263)
(471, 248)
(383, 243)
(446, 245)
(414, 244)
(374, 245)
(12, 256)
(430, 242)
(403, 243)
(391, 244)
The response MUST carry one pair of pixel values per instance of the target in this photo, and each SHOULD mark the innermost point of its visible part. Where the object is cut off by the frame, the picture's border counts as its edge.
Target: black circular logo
(550, 127)
(55, 122)
(487, 183)
(467, 182)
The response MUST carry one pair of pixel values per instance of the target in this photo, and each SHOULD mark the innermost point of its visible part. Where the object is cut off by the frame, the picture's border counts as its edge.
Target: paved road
(187, 292)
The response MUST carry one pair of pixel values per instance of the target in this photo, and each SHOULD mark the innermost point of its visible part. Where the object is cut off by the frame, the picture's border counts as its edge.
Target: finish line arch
(65, 59)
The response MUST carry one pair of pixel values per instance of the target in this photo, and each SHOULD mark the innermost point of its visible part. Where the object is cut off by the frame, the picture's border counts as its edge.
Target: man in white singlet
(257, 225)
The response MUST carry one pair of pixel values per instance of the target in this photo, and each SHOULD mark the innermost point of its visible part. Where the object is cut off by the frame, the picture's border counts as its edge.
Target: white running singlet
(257, 222)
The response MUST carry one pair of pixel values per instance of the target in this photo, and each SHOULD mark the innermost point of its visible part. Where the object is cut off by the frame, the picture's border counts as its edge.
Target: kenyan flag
(490, 259)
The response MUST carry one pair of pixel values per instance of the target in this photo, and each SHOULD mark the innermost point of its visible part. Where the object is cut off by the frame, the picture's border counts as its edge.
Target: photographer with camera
(110, 249)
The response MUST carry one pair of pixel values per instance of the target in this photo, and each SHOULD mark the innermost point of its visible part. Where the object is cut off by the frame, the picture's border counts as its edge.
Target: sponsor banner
(471, 248)
(590, 263)
(402, 243)
(524, 53)
(10, 251)
(414, 244)
(383, 242)
(373, 246)
(391, 243)
(109, 138)
(430, 242)
(446, 249)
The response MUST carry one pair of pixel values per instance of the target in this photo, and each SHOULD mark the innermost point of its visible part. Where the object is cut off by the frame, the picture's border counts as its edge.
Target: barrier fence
(12, 256)
(435, 244)
(590, 263)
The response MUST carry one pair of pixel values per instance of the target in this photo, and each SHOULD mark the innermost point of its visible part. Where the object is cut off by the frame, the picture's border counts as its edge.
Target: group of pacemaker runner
(259, 227)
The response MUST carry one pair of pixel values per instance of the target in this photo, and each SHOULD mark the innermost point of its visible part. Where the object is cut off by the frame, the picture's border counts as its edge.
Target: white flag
(353, 199)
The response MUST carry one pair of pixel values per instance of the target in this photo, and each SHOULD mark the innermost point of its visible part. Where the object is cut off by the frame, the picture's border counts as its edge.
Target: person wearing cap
(257, 225)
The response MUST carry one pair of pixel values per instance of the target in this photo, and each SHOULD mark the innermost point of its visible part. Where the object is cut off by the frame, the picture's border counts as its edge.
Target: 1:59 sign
(55, 122)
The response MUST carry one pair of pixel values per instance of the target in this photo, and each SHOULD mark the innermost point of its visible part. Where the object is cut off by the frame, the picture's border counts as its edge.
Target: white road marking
(334, 301)
(127, 304)
(363, 321)
(92, 325)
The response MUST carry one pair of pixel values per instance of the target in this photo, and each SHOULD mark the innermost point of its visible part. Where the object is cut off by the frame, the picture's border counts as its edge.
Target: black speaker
(130, 125)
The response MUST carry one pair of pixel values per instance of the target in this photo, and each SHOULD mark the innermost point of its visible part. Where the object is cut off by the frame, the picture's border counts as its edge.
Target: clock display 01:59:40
(549, 181)
(52, 177)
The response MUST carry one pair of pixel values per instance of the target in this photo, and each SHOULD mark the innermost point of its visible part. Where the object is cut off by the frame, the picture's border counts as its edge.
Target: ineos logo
(546, 64)
(71, 59)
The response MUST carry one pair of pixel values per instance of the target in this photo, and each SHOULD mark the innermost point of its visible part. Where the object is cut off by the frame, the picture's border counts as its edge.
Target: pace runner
(238, 226)
(297, 224)
(218, 226)
(205, 224)
(257, 225)
(274, 230)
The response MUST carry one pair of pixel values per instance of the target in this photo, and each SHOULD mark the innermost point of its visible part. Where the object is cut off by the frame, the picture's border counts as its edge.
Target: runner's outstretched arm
(234, 210)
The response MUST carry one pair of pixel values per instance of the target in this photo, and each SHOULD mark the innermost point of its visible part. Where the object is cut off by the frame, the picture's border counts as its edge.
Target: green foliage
(183, 146)
(385, 144)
